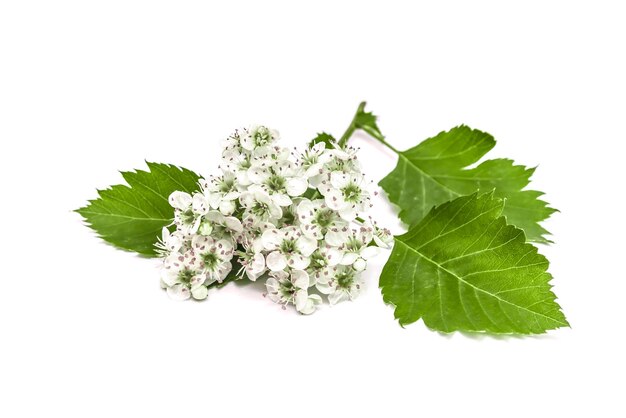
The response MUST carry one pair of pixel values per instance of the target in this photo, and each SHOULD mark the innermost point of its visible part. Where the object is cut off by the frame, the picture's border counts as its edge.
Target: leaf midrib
(82, 211)
(424, 173)
(440, 267)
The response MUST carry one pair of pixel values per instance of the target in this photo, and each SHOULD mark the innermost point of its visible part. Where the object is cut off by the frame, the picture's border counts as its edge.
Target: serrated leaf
(462, 268)
(435, 171)
(132, 217)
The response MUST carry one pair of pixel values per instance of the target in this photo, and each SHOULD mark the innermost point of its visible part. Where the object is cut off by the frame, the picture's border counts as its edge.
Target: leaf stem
(381, 138)
(352, 127)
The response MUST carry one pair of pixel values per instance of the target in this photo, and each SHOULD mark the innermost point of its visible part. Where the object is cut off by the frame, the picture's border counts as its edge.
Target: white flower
(237, 161)
(345, 193)
(213, 257)
(281, 180)
(284, 288)
(214, 223)
(322, 261)
(228, 207)
(382, 237)
(220, 188)
(188, 211)
(318, 221)
(169, 242)
(180, 200)
(357, 250)
(258, 136)
(256, 210)
(260, 206)
(342, 283)
(252, 259)
(289, 247)
(183, 276)
(312, 160)
(342, 159)
(233, 142)
(307, 304)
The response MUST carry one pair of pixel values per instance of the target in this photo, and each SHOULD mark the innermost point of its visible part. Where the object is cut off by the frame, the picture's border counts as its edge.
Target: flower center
(309, 159)
(351, 193)
(187, 217)
(260, 209)
(210, 260)
(276, 183)
(324, 217)
(345, 280)
(318, 261)
(226, 185)
(262, 136)
(185, 276)
(289, 218)
(354, 245)
(245, 163)
(287, 289)
(288, 246)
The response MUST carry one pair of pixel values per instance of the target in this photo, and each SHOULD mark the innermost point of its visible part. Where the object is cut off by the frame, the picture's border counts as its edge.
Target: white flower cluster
(293, 218)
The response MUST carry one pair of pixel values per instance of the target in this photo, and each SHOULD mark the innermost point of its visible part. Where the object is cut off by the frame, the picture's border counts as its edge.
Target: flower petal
(180, 200)
(276, 261)
(334, 199)
(337, 236)
(325, 288)
(339, 179)
(200, 293)
(281, 199)
(233, 224)
(296, 186)
(298, 261)
(178, 292)
(333, 255)
(338, 296)
(271, 239)
(300, 279)
(348, 212)
(369, 252)
(348, 258)
(200, 204)
(306, 245)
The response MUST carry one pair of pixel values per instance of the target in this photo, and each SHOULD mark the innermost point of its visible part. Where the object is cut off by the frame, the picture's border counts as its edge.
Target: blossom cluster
(297, 220)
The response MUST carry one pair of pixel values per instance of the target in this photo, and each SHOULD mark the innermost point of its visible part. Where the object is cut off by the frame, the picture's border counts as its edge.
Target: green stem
(353, 126)
(378, 136)
(374, 133)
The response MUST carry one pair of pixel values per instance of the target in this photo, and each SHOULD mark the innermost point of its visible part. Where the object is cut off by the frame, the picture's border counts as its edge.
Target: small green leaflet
(327, 139)
(132, 217)
(462, 268)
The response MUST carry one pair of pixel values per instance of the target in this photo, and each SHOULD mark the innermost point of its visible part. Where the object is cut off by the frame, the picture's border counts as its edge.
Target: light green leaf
(132, 217)
(435, 171)
(462, 268)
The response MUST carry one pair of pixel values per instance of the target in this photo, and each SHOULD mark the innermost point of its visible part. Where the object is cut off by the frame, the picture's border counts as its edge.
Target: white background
(88, 88)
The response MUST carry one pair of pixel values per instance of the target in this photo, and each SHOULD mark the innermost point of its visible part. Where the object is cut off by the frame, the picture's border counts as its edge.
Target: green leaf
(435, 171)
(132, 217)
(367, 122)
(462, 268)
(327, 139)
